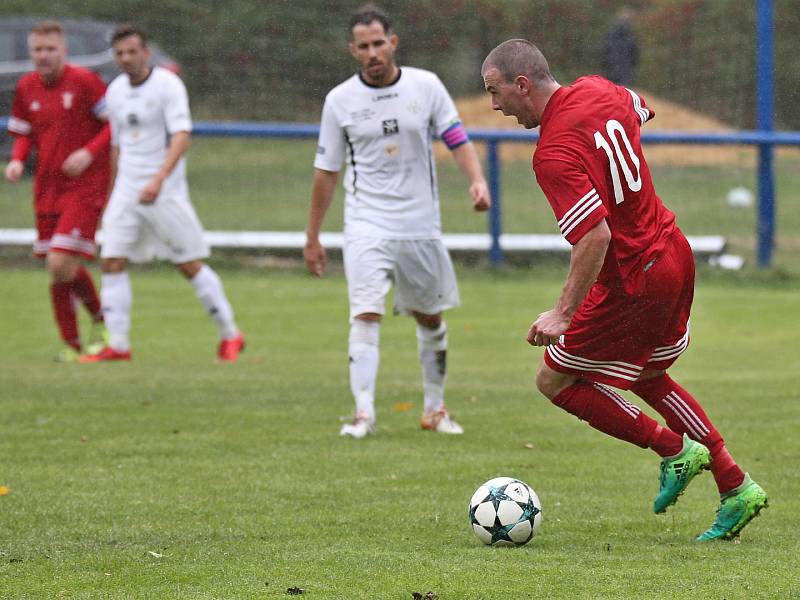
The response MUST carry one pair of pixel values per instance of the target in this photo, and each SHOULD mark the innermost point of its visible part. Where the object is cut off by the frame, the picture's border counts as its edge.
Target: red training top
(58, 119)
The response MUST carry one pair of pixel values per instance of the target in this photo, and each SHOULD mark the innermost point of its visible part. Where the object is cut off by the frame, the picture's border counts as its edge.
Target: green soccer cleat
(677, 471)
(98, 338)
(737, 508)
(67, 354)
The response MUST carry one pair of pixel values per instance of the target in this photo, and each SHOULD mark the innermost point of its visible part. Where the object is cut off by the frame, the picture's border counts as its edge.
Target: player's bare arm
(82, 158)
(586, 261)
(467, 160)
(16, 166)
(178, 146)
(321, 197)
(77, 162)
(13, 170)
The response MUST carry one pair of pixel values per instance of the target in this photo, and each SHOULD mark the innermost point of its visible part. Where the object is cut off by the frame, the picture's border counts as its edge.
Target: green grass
(265, 185)
(235, 474)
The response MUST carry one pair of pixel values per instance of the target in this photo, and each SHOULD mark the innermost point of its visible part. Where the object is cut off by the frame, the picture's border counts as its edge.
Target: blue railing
(311, 131)
(765, 140)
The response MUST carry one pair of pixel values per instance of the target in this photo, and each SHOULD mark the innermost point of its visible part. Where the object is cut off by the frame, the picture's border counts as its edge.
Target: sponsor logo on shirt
(321, 150)
(35, 106)
(362, 115)
(390, 127)
(392, 150)
(388, 96)
(67, 97)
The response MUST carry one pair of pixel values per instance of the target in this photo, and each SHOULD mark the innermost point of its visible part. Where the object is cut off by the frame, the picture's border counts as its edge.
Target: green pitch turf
(174, 477)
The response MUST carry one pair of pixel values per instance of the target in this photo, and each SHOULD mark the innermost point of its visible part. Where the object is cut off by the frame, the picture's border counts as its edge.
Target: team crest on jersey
(390, 127)
(133, 122)
(67, 97)
(35, 106)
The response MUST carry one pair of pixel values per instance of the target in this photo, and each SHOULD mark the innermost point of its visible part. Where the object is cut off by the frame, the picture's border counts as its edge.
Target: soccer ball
(505, 512)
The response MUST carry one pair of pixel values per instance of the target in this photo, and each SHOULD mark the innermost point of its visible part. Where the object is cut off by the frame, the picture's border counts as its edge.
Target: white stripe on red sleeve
(642, 111)
(16, 125)
(579, 211)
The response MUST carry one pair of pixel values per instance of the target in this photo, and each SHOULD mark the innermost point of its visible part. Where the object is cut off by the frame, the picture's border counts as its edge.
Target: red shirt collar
(551, 106)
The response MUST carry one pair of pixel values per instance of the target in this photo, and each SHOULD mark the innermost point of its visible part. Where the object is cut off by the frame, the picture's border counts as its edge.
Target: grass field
(175, 477)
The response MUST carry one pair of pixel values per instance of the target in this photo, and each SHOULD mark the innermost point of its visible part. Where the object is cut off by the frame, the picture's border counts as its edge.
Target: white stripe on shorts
(614, 368)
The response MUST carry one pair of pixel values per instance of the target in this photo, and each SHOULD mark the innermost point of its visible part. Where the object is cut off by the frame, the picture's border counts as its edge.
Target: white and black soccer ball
(505, 512)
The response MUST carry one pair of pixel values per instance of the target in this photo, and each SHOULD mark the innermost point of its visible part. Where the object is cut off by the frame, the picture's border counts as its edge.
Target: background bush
(275, 60)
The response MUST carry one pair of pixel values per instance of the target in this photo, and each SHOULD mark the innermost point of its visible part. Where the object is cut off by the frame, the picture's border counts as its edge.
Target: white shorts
(421, 270)
(168, 229)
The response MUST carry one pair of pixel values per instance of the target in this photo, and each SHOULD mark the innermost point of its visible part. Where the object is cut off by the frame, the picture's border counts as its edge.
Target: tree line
(275, 60)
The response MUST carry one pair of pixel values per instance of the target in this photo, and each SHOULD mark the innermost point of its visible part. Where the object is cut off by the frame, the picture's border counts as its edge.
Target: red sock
(607, 411)
(684, 415)
(64, 310)
(84, 289)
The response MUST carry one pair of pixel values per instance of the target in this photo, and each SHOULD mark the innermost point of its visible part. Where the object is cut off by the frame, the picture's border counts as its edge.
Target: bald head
(518, 57)
(518, 78)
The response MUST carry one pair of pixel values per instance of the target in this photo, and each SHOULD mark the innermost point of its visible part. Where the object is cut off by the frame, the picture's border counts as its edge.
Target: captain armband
(455, 136)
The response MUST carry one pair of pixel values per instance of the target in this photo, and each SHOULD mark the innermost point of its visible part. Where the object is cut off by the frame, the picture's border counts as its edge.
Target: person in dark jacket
(619, 54)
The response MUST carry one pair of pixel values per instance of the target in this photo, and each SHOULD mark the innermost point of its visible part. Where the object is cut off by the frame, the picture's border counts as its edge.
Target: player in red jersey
(622, 318)
(58, 111)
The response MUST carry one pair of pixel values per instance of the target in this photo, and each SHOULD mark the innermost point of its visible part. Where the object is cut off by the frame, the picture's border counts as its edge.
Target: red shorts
(614, 336)
(72, 229)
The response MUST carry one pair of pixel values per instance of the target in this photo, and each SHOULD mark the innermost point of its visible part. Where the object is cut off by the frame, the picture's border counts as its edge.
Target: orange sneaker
(107, 353)
(230, 349)
(440, 421)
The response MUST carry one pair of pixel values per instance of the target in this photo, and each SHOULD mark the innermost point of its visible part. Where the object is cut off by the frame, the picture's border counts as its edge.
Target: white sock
(432, 347)
(117, 299)
(364, 359)
(208, 287)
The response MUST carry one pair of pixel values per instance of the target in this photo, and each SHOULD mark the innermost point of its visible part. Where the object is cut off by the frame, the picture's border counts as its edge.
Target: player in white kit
(149, 214)
(381, 122)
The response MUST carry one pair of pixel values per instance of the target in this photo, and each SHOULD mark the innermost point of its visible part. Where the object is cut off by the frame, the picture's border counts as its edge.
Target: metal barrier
(765, 140)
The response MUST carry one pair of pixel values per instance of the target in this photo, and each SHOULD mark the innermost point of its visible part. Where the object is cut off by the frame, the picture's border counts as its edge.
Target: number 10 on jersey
(616, 159)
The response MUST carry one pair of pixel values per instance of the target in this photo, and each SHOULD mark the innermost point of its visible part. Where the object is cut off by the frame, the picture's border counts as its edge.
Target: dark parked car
(88, 45)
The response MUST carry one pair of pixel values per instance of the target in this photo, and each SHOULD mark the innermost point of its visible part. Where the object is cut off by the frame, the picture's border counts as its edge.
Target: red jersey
(58, 119)
(590, 166)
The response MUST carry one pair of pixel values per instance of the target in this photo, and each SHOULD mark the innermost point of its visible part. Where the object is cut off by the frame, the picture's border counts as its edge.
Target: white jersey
(142, 119)
(385, 135)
